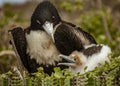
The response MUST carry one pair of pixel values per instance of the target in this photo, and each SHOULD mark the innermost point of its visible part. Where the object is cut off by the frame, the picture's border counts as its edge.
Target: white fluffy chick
(86, 60)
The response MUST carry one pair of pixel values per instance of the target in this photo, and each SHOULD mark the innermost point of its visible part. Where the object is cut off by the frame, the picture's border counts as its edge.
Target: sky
(12, 2)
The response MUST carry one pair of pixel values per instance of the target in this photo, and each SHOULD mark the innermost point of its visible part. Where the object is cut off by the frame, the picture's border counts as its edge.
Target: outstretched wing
(19, 43)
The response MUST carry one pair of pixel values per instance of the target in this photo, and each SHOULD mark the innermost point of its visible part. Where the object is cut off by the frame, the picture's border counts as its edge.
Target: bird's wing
(81, 32)
(87, 36)
(69, 38)
(19, 43)
(92, 50)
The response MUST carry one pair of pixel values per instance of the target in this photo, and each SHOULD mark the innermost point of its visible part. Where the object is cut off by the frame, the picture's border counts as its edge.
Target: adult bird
(47, 37)
(92, 56)
(66, 36)
(35, 49)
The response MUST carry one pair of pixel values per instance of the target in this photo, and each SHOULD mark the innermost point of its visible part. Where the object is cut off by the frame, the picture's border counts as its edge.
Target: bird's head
(75, 59)
(45, 17)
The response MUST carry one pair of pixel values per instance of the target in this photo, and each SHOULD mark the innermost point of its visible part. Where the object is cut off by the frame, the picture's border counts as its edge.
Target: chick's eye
(53, 17)
(75, 59)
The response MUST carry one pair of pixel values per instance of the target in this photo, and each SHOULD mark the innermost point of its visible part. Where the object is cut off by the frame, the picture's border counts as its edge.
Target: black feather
(21, 46)
(69, 38)
(91, 50)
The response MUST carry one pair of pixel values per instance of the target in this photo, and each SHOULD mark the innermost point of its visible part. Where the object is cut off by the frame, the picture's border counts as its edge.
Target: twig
(16, 70)
(7, 52)
(104, 21)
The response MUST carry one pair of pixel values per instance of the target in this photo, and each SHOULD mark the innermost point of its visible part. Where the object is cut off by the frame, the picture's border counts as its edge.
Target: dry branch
(7, 52)
(104, 21)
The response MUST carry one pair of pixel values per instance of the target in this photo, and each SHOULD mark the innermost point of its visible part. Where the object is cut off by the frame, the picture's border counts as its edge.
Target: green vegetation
(106, 75)
(92, 21)
(72, 5)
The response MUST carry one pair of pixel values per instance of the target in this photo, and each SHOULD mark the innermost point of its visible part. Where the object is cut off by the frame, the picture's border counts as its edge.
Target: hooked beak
(48, 27)
(69, 62)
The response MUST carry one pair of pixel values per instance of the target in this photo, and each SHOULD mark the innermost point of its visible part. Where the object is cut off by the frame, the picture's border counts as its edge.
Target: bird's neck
(78, 69)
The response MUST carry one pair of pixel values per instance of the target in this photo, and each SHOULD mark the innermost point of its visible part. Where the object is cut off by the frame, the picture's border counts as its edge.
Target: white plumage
(41, 47)
(80, 60)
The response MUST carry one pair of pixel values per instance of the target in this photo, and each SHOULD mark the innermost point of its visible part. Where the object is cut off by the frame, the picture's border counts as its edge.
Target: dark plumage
(67, 36)
(31, 65)
(47, 37)
(20, 43)
(45, 11)
(92, 50)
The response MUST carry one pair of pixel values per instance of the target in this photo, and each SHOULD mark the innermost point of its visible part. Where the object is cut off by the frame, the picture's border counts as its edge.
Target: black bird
(47, 37)
(66, 36)
(35, 49)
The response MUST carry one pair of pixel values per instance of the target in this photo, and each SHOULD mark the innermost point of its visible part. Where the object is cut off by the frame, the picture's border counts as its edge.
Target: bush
(106, 75)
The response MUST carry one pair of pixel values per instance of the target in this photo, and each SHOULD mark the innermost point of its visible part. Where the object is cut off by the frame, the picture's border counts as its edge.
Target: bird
(40, 44)
(66, 36)
(35, 51)
(86, 60)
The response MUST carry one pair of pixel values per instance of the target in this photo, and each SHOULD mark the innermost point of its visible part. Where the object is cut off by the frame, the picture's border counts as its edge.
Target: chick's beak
(69, 62)
(48, 27)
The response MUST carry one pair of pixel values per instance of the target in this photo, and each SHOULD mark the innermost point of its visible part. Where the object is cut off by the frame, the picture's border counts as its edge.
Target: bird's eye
(75, 59)
(39, 22)
(53, 18)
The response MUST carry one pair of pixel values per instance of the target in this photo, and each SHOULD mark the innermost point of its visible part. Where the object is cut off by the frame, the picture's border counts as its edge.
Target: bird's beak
(69, 62)
(48, 27)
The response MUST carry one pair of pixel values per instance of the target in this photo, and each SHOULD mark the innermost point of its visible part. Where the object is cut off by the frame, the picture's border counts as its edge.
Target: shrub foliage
(106, 75)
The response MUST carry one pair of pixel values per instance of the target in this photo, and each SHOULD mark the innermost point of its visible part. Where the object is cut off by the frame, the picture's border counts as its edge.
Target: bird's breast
(41, 48)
